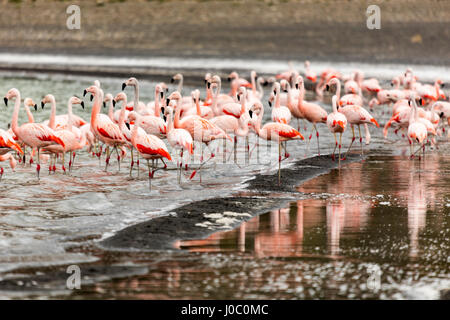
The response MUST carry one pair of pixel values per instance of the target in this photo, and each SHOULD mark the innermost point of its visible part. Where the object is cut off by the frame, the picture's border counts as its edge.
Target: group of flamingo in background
(189, 122)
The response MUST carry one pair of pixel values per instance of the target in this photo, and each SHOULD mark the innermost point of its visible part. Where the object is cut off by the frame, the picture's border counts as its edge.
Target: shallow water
(59, 220)
(386, 214)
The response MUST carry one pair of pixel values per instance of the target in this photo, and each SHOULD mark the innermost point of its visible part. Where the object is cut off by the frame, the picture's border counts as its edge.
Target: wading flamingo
(274, 131)
(337, 123)
(417, 132)
(103, 127)
(311, 111)
(34, 135)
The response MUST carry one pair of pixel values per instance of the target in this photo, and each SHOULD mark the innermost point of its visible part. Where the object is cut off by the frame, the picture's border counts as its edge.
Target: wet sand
(412, 31)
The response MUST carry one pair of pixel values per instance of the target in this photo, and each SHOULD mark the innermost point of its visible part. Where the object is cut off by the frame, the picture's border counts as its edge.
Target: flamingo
(71, 140)
(34, 135)
(357, 115)
(60, 121)
(103, 127)
(202, 111)
(311, 111)
(180, 78)
(280, 113)
(150, 147)
(178, 139)
(417, 131)
(337, 123)
(240, 81)
(274, 131)
(135, 105)
(310, 74)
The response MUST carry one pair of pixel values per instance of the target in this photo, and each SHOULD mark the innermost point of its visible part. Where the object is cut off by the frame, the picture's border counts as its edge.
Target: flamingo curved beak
(82, 104)
(42, 104)
(84, 92)
(35, 107)
(6, 101)
(123, 86)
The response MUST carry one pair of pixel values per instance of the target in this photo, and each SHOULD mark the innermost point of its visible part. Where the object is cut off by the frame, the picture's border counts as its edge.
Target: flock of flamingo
(189, 121)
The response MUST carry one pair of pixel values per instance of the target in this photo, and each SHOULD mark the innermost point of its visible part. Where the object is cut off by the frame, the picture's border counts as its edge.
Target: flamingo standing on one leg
(337, 123)
(34, 135)
(274, 131)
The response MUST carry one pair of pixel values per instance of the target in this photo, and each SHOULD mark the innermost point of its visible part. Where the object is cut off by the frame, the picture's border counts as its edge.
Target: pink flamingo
(149, 146)
(185, 99)
(310, 74)
(201, 111)
(241, 81)
(280, 113)
(337, 123)
(178, 139)
(60, 121)
(103, 127)
(279, 132)
(311, 111)
(357, 115)
(71, 140)
(135, 105)
(34, 135)
(416, 129)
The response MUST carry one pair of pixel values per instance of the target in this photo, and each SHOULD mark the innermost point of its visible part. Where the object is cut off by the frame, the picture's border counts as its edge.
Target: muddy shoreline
(197, 220)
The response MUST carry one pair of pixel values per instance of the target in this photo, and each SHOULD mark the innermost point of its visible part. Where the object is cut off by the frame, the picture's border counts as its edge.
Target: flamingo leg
(309, 140)
(279, 162)
(107, 158)
(317, 135)
(353, 140)
(247, 150)
(118, 156)
(360, 140)
(335, 146)
(150, 173)
(340, 143)
(224, 154)
(132, 162)
(38, 167)
(235, 149)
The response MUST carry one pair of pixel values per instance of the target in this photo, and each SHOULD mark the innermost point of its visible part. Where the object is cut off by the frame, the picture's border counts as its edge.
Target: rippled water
(320, 246)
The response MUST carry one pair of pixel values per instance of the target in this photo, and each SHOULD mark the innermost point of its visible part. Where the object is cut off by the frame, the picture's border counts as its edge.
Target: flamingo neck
(52, 121)
(253, 83)
(134, 131)
(136, 96)
(122, 113)
(98, 98)
(157, 105)
(176, 120)
(15, 116)
(259, 121)
(111, 110)
(197, 106)
(69, 115)
(215, 98)
(277, 98)
(301, 95)
(29, 114)
(170, 126)
(243, 129)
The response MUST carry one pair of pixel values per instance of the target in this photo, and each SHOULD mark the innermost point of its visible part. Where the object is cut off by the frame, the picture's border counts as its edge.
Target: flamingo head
(92, 89)
(30, 103)
(233, 75)
(49, 98)
(12, 93)
(207, 77)
(76, 100)
(174, 96)
(178, 76)
(130, 82)
(121, 96)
